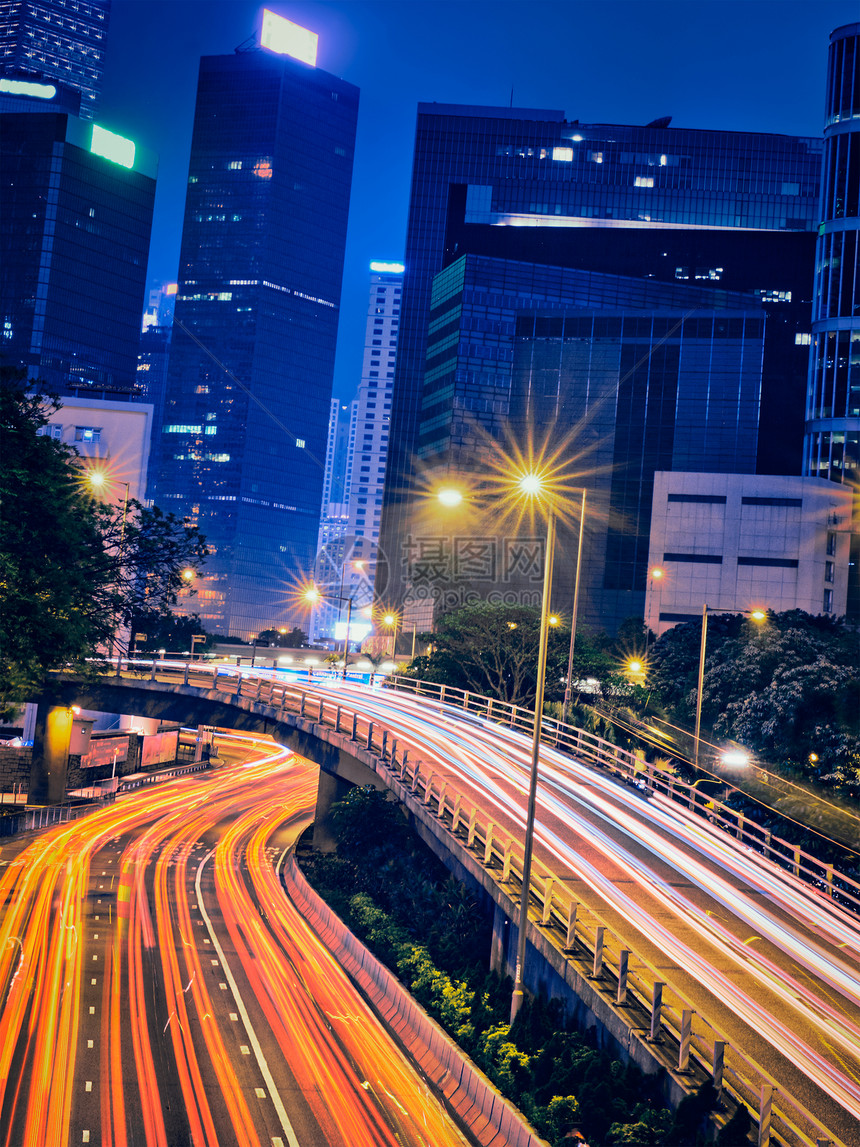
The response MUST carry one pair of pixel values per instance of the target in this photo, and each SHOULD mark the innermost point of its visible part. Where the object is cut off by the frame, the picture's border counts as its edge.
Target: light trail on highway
(158, 986)
(769, 961)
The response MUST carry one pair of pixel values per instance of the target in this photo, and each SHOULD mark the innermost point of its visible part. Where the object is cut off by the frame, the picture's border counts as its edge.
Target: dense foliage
(493, 650)
(399, 899)
(787, 689)
(72, 569)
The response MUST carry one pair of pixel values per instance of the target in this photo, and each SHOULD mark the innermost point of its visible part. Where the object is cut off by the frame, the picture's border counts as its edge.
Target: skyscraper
(252, 358)
(719, 210)
(832, 446)
(61, 40)
(76, 206)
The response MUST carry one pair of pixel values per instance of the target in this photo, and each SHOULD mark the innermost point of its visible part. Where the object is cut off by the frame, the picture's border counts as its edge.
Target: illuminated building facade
(725, 211)
(61, 40)
(832, 445)
(744, 541)
(243, 440)
(629, 376)
(76, 205)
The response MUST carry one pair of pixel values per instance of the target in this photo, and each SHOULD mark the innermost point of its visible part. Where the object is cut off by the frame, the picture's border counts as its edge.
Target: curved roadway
(768, 963)
(158, 987)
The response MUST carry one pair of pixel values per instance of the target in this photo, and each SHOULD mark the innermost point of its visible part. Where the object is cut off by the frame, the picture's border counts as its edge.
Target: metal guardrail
(633, 981)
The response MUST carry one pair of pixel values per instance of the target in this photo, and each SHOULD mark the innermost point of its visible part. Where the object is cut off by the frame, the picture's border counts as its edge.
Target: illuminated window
(300, 443)
(563, 154)
(643, 181)
(802, 340)
(235, 165)
(596, 156)
(88, 433)
(263, 169)
(183, 429)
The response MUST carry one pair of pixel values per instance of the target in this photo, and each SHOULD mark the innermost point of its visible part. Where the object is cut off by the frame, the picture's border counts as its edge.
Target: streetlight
(390, 621)
(758, 616)
(313, 595)
(100, 482)
(656, 574)
(530, 486)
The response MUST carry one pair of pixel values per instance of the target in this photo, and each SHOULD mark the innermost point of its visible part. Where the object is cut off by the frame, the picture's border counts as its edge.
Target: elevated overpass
(658, 994)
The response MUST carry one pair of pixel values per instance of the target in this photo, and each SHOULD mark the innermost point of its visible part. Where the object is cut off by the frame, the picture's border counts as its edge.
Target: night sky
(738, 65)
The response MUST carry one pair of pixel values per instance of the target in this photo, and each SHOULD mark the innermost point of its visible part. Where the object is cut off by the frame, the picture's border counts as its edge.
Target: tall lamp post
(758, 616)
(313, 595)
(531, 486)
(568, 688)
(99, 482)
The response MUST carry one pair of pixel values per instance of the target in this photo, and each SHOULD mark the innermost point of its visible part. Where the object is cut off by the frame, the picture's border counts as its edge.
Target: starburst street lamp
(101, 483)
(758, 616)
(532, 488)
(313, 595)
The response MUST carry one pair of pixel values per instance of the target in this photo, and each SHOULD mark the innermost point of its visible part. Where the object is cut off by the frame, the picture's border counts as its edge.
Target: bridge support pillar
(500, 942)
(331, 789)
(51, 739)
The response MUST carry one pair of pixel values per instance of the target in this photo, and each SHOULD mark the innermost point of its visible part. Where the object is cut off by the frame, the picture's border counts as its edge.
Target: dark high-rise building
(75, 219)
(61, 40)
(832, 447)
(243, 441)
(711, 209)
(625, 376)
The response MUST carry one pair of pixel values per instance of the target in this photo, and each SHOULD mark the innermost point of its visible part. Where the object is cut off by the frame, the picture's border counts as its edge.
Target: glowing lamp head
(657, 573)
(312, 594)
(449, 496)
(736, 757)
(531, 484)
(97, 479)
(635, 666)
(188, 574)
(389, 619)
(554, 619)
(758, 615)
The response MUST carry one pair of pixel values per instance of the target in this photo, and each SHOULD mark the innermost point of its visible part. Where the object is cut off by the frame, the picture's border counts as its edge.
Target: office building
(60, 40)
(832, 444)
(76, 207)
(246, 412)
(334, 518)
(736, 542)
(625, 376)
(712, 209)
(113, 440)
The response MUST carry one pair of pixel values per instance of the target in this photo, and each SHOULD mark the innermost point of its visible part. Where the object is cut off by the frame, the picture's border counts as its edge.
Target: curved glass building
(832, 444)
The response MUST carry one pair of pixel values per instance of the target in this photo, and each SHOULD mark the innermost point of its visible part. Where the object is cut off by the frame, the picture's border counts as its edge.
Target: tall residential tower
(249, 385)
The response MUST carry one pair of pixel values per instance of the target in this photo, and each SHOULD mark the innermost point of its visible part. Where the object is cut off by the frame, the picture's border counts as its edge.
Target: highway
(767, 963)
(159, 988)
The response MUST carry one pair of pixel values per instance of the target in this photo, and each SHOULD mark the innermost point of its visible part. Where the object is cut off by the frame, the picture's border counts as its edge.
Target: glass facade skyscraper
(243, 441)
(717, 210)
(832, 448)
(625, 376)
(75, 220)
(61, 40)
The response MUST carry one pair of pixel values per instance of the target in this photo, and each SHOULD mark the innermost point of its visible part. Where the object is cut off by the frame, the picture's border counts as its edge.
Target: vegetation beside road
(426, 927)
(73, 568)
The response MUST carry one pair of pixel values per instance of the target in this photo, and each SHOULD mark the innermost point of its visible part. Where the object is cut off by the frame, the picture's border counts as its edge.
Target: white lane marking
(246, 1020)
(245, 1050)
(88, 1086)
(89, 1043)
(93, 980)
(92, 1011)
(259, 1092)
(86, 1137)
(95, 935)
(223, 987)
(234, 1016)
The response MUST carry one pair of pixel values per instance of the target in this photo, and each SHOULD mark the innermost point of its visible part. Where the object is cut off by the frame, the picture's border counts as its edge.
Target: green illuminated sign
(112, 146)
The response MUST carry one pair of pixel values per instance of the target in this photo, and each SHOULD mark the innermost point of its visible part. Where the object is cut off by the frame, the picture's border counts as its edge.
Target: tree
(786, 689)
(293, 638)
(171, 632)
(72, 569)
